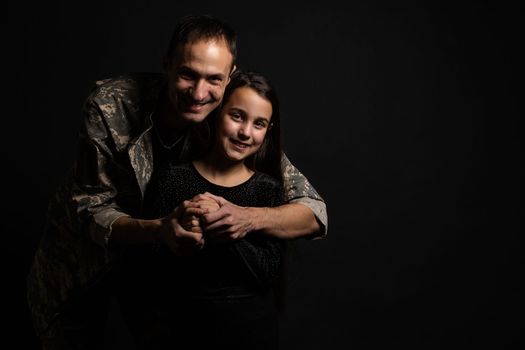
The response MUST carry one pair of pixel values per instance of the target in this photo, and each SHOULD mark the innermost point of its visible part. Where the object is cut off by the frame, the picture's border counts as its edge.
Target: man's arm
(298, 190)
(95, 190)
(287, 221)
(168, 230)
(304, 214)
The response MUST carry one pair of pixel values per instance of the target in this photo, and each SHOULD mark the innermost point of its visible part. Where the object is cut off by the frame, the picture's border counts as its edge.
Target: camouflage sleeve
(94, 191)
(297, 189)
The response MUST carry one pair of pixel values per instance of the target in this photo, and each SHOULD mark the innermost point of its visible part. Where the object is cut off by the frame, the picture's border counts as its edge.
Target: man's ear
(230, 75)
(233, 70)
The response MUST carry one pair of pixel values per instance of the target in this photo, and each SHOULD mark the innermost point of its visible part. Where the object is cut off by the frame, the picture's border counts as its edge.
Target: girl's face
(243, 123)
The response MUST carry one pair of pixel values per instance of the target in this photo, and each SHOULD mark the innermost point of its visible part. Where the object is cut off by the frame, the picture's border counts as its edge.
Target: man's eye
(186, 74)
(215, 81)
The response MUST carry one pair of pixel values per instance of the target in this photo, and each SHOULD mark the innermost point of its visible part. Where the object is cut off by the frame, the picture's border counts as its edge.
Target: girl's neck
(221, 172)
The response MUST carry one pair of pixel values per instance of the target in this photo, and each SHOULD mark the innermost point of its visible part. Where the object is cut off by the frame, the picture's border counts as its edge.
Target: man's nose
(199, 91)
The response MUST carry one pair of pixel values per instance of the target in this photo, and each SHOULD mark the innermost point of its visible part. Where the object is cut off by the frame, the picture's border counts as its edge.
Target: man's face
(198, 77)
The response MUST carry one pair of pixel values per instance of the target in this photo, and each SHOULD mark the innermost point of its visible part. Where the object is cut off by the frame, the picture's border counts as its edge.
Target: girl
(226, 288)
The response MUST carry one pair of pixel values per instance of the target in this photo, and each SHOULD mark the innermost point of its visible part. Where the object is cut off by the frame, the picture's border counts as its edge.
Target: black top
(242, 267)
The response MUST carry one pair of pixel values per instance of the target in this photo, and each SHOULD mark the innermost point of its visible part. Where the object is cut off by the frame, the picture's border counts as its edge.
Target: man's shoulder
(130, 79)
(129, 83)
(122, 104)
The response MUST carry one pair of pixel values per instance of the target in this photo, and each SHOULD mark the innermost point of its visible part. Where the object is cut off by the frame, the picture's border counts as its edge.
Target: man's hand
(180, 230)
(232, 222)
(224, 220)
(208, 202)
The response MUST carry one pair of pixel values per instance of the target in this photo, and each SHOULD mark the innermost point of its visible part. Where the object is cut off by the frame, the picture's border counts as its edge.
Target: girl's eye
(260, 124)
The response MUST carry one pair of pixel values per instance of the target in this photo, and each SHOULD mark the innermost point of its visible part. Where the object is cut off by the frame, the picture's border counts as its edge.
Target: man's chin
(196, 114)
(194, 117)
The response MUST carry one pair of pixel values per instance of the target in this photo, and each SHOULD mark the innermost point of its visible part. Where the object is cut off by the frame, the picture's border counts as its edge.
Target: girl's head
(247, 125)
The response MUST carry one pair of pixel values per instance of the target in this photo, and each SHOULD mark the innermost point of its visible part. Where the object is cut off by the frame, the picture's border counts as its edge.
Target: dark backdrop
(403, 117)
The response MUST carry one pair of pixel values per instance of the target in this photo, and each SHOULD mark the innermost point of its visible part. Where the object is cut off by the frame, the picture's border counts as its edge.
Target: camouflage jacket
(108, 180)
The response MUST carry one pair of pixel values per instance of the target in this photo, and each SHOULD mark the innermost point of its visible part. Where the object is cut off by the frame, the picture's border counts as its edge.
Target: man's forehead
(203, 42)
(205, 54)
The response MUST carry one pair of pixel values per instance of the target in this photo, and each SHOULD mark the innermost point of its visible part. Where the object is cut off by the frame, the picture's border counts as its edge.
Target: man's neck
(168, 123)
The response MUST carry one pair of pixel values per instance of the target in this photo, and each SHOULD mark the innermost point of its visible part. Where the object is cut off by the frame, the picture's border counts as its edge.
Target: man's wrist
(155, 229)
(258, 218)
(136, 231)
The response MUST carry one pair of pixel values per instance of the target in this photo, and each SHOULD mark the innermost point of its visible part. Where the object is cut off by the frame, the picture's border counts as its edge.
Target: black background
(404, 117)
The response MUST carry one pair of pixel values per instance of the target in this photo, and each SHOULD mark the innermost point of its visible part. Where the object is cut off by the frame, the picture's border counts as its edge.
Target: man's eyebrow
(187, 70)
(216, 75)
(194, 74)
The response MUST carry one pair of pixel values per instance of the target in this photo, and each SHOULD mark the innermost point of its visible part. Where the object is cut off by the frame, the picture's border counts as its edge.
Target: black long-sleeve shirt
(228, 268)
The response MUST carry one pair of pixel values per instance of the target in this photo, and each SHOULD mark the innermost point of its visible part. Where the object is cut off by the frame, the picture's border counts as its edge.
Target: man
(98, 209)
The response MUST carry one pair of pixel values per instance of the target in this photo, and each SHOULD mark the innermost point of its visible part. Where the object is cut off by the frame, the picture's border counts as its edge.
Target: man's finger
(190, 204)
(218, 199)
(218, 215)
(196, 211)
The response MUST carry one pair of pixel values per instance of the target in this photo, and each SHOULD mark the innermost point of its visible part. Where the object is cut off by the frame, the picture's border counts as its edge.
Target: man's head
(198, 63)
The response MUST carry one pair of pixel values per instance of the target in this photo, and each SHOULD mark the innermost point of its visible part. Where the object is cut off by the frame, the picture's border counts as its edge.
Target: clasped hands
(204, 218)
